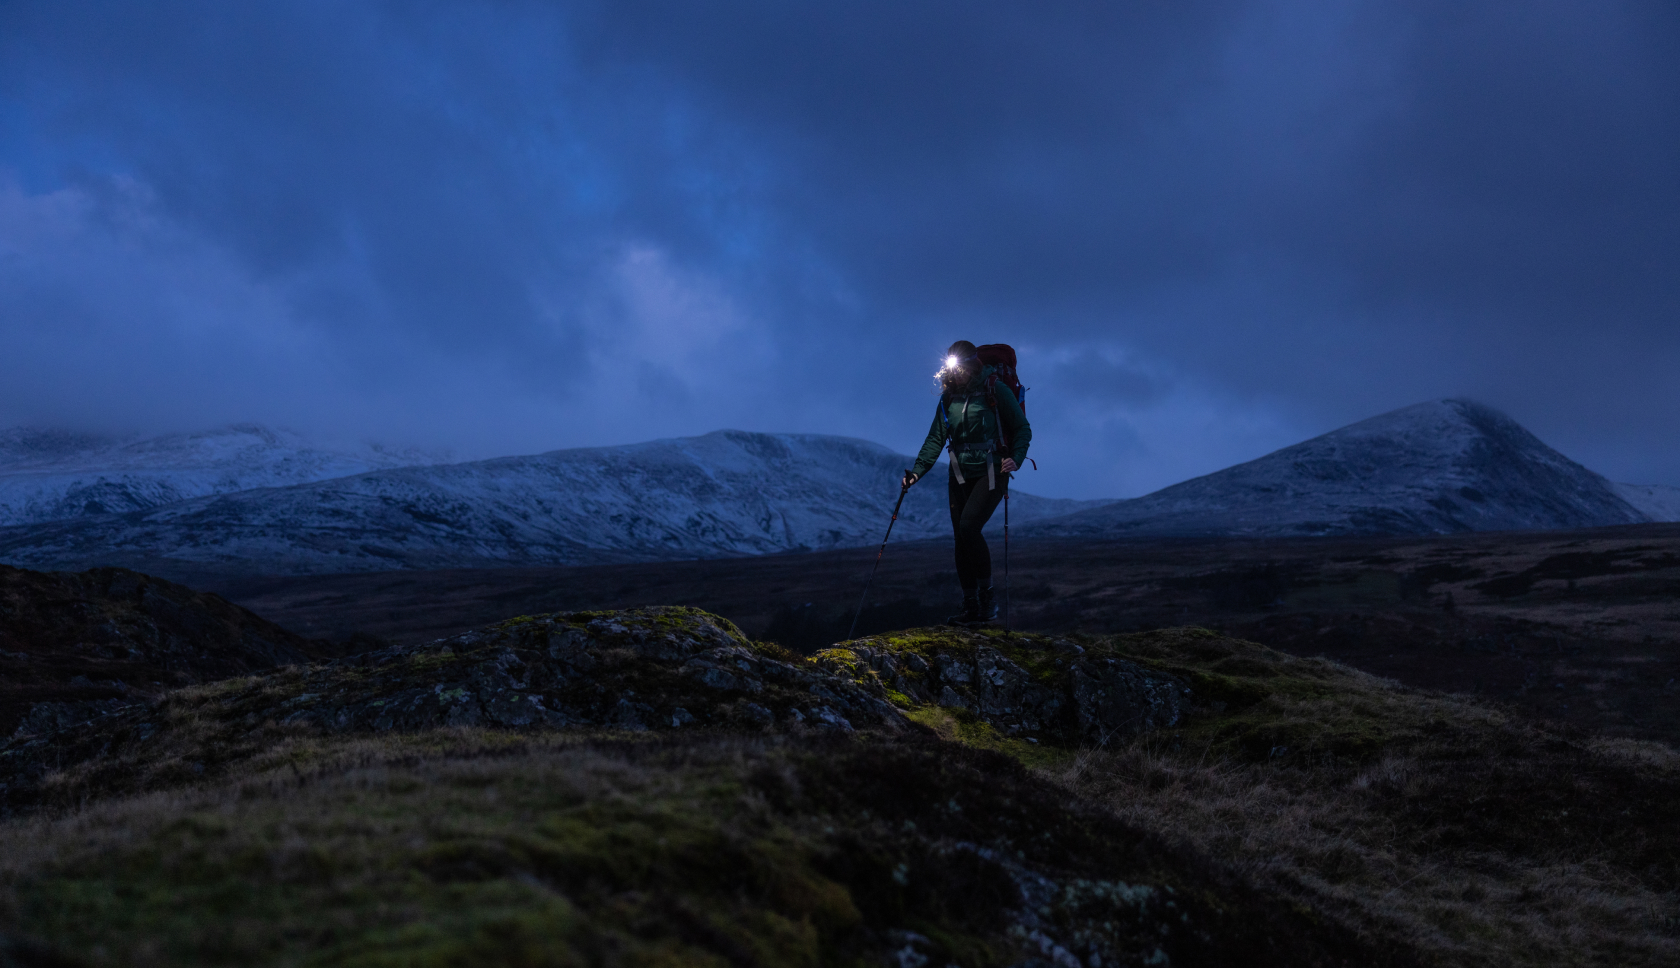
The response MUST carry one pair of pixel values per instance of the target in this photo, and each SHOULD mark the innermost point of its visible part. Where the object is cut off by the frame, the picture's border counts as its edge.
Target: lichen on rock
(665, 668)
(647, 669)
(1033, 686)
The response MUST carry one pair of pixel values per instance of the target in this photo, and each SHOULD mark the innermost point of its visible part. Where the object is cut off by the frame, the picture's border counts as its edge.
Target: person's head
(961, 362)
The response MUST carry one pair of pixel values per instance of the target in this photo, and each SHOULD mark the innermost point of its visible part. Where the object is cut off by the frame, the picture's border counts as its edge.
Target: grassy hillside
(1043, 801)
(1478, 836)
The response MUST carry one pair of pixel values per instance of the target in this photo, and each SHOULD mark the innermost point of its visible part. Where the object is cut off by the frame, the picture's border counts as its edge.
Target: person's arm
(1015, 424)
(932, 446)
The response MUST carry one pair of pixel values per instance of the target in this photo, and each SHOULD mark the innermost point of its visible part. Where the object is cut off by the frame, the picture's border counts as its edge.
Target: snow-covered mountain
(250, 500)
(1440, 467)
(1659, 502)
(723, 494)
(48, 475)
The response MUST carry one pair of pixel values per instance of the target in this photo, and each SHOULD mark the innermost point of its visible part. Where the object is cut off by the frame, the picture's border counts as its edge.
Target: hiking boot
(971, 609)
(988, 605)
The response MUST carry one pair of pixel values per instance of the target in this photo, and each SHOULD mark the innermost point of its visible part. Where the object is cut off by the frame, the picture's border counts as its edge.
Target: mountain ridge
(722, 494)
(53, 475)
(1443, 466)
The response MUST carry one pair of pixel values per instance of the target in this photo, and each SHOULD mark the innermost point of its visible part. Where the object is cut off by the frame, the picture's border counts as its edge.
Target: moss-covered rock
(1034, 687)
(647, 668)
(667, 668)
(651, 668)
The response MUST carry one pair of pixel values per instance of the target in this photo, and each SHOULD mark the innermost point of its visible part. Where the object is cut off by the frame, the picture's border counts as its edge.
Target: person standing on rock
(982, 423)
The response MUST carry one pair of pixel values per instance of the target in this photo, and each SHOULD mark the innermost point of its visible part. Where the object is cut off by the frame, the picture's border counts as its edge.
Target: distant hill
(727, 493)
(50, 475)
(74, 646)
(1434, 468)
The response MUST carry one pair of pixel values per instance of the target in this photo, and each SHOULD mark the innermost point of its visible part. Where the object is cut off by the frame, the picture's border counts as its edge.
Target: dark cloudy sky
(1212, 228)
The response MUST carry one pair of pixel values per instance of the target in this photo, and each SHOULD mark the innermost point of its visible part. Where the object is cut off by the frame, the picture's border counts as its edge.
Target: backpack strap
(950, 439)
(1000, 448)
(997, 415)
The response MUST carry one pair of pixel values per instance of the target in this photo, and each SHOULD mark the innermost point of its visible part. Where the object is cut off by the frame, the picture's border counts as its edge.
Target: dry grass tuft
(469, 847)
(1410, 817)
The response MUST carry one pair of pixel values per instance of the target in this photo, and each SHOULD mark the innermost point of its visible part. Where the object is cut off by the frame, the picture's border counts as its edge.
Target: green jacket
(973, 422)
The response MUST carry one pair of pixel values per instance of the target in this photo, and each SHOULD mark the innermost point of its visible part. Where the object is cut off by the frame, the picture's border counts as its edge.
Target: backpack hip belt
(988, 447)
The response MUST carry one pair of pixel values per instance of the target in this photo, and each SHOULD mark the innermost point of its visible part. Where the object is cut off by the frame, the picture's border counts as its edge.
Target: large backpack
(1001, 357)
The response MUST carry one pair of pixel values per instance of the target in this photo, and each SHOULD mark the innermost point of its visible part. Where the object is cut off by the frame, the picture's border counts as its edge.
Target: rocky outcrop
(1037, 687)
(636, 670)
(646, 668)
(669, 668)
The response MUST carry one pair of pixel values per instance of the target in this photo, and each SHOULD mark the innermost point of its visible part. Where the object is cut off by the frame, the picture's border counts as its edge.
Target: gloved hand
(910, 478)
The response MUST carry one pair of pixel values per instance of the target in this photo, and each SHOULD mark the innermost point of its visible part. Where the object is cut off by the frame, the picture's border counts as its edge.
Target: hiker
(987, 432)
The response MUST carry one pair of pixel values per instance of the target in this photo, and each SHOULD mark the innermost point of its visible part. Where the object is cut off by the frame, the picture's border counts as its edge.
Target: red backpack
(1002, 356)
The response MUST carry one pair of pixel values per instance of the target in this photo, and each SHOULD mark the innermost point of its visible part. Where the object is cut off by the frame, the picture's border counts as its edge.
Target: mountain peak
(1441, 467)
(1439, 425)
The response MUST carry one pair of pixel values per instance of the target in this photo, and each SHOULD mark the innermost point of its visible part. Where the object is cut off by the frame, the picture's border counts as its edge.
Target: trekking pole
(1006, 552)
(903, 489)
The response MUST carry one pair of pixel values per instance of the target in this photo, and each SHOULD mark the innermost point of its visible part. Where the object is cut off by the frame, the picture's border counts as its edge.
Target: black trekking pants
(971, 507)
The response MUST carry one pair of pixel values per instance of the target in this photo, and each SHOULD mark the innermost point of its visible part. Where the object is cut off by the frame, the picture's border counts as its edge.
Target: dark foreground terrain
(75, 644)
(654, 787)
(1579, 627)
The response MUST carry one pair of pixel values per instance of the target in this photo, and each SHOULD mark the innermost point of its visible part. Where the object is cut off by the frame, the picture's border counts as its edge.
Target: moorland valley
(1323, 737)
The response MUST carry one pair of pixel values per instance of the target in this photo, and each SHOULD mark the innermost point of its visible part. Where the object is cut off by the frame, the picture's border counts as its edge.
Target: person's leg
(959, 494)
(976, 570)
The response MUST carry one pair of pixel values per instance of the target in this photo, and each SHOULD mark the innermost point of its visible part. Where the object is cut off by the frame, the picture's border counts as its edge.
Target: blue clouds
(516, 226)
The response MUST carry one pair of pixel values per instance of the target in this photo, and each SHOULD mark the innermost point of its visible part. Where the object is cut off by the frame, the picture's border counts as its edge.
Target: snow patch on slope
(1659, 502)
(723, 494)
(48, 475)
(1440, 467)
